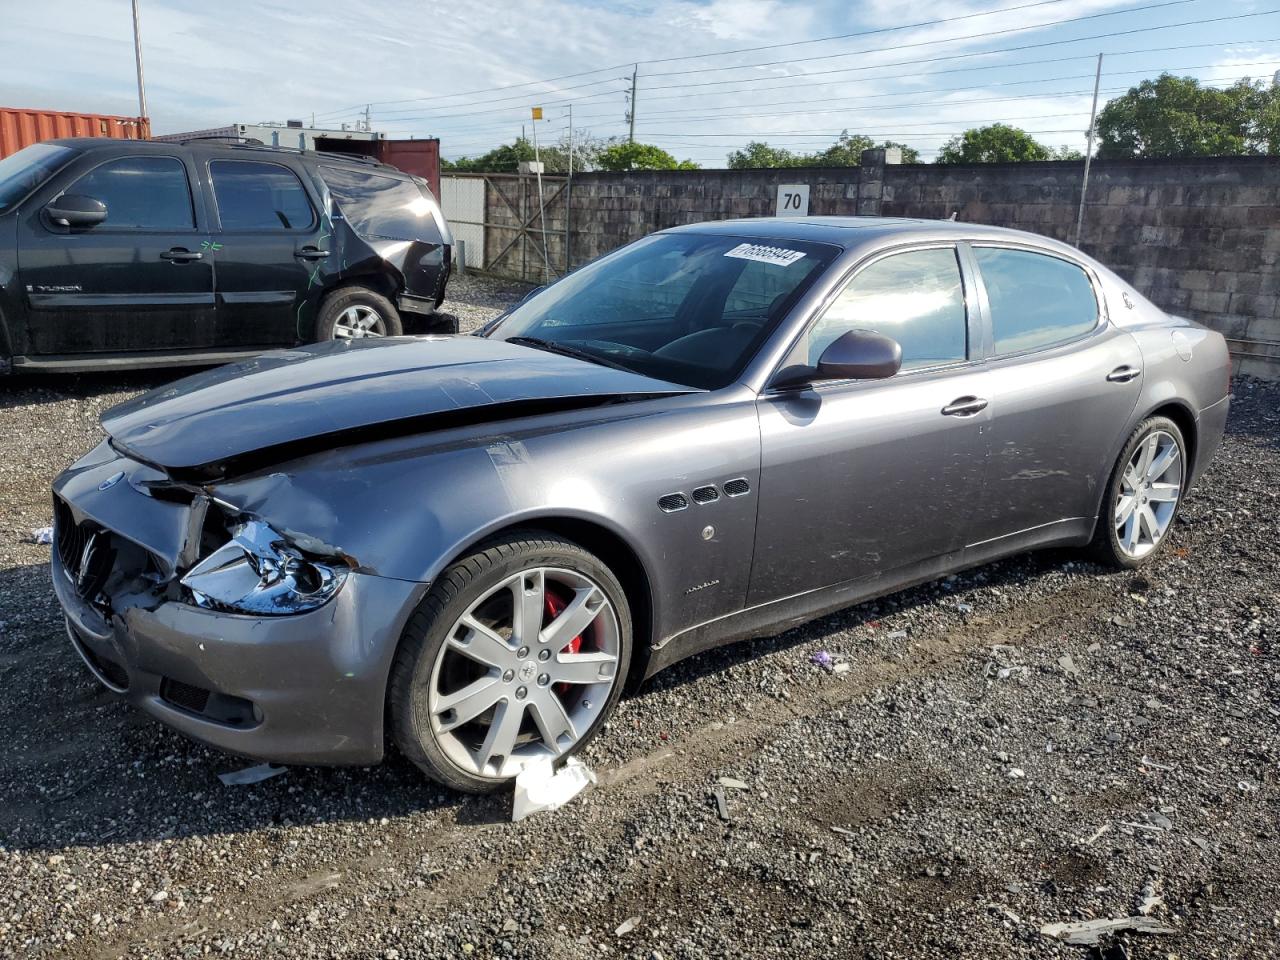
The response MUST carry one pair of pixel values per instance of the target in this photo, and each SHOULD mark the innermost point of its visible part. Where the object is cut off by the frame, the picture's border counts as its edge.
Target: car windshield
(28, 168)
(689, 308)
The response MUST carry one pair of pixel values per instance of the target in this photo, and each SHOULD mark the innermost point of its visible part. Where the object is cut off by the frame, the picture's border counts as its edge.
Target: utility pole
(631, 115)
(1088, 156)
(368, 124)
(571, 139)
(137, 53)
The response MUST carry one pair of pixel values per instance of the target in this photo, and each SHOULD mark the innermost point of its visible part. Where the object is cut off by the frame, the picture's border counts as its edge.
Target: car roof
(861, 232)
(87, 144)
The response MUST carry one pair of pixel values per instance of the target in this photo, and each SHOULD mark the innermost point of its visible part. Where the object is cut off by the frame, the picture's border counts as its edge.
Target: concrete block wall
(1200, 237)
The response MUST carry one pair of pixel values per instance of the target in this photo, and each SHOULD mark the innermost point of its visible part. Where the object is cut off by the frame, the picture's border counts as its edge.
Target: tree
(503, 159)
(640, 156)
(997, 143)
(757, 155)
(1176, 117)
(845, 152)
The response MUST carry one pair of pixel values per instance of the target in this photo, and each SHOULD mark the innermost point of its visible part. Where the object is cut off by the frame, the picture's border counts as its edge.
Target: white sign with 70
(793, 200)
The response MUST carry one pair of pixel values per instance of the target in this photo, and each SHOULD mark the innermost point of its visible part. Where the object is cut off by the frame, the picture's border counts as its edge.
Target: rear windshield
(25, 170)
(379, 207)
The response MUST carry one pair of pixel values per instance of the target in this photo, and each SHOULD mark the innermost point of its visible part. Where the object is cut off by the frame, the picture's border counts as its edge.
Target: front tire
(519, 651)
(354, 313)
(1143, 495)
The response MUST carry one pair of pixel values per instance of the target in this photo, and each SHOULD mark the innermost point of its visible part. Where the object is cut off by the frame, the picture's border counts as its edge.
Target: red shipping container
(20, 128)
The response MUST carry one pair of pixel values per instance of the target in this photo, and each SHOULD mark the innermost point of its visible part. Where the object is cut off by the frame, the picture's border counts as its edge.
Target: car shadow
(82, 767)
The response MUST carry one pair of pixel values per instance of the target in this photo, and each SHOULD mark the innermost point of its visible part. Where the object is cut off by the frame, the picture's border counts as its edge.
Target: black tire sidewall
(1107, 540)
(454, 591)
(339, 300)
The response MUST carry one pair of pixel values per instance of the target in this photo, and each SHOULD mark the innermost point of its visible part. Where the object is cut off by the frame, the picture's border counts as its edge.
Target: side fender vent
(673, 503)
(736, 488)
(707, 494)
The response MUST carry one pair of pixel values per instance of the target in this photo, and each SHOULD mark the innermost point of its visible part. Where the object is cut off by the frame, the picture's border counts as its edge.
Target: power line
(720, 53)
(795, 86)
(982, 53)
(931, 43)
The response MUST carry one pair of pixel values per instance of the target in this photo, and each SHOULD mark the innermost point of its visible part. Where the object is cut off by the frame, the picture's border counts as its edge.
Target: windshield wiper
(564, 350)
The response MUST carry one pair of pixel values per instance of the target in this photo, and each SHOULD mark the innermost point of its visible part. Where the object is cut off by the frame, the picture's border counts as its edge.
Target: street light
(137, 52)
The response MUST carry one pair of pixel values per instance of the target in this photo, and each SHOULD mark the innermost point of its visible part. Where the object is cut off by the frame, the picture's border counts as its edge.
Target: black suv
(126, 253)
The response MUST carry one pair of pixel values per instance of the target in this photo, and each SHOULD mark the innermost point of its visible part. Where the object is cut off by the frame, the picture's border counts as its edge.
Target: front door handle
(964, 407)
(181, 255)
(1124, 374)
(311, 253)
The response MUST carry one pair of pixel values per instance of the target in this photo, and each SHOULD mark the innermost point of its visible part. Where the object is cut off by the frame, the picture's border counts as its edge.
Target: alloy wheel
(358, 321)
(1148, 497)
(525, 672)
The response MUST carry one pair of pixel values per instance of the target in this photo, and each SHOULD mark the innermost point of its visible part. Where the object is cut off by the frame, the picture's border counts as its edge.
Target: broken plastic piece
(539, 786)
(254, 774)
(823, 659)
(1087, 933)
(626, 926)
(42, 536)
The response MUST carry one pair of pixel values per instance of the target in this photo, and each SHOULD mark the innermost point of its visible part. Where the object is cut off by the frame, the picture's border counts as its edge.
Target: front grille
(707, 494)
(69, 537)
(86, 551)
(184, 695)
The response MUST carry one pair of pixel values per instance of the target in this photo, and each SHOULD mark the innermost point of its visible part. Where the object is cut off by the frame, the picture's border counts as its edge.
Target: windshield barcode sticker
(778, 256)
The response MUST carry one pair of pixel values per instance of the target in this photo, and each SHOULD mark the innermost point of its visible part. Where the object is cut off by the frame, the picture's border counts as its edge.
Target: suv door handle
(1124, 374)
(964, 407)
(311, 253)
(181, 255)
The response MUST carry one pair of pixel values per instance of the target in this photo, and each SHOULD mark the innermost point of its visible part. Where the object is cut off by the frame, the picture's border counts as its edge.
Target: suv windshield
(25, 170)
(684, 307)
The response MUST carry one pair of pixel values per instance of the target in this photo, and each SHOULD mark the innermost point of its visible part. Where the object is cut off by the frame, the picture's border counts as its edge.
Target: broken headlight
(260, 572)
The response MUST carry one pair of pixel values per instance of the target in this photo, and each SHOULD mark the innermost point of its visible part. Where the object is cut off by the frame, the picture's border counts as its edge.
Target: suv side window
(1036, 300)
(141, 193)
(253, 195)
(916, 297)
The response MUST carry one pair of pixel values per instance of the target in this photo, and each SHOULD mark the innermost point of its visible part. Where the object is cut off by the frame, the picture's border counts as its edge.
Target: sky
(469, 73)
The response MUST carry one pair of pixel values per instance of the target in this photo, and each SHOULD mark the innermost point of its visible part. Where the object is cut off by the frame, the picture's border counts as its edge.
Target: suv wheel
(351, 313)
(519, 651)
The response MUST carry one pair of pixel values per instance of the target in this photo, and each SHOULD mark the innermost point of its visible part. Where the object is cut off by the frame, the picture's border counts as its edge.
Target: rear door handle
(964, 407)
(181, 255)
(311, 253)
(1124, 374)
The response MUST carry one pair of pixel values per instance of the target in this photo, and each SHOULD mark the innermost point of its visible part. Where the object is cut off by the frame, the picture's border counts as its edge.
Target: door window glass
(917, 298)
(1036, 300)
(141, 193)
(259, 196)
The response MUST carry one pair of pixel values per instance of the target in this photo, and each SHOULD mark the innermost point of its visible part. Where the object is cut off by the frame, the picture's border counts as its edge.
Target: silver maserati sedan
(468, 547)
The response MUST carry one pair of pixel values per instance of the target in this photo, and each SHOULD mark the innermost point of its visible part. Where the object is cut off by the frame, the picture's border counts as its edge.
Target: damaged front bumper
(299, 688)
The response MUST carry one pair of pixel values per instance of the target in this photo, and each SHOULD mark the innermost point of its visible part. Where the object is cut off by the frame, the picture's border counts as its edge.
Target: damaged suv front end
(215, 623)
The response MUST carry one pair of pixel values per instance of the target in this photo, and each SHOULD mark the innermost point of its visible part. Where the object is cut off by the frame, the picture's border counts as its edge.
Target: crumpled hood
(292, 402)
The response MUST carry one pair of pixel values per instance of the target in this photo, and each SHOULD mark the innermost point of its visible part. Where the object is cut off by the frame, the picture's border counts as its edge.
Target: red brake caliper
(555, 606)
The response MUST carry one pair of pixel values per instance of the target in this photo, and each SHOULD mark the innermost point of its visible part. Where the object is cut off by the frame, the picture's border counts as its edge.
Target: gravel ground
(1033, 741)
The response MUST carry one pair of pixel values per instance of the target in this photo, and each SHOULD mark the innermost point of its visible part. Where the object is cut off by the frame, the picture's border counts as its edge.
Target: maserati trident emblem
(111, 481)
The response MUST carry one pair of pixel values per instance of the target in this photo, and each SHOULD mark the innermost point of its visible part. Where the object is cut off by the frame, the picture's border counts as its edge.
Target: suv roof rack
(239, 143)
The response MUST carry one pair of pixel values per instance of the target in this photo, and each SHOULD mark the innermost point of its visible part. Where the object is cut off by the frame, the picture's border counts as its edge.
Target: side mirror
(855, 355)
(860, 355)
(71, 210)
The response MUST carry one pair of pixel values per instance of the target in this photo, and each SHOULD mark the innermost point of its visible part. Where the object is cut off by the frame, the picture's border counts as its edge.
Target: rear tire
(1143, 496)
(355, 312)
(482, 681)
